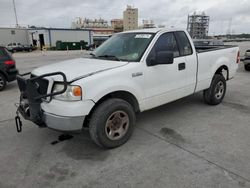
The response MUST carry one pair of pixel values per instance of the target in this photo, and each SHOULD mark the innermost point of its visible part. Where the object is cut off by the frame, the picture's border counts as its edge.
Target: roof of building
(14, 28)
(60, 29)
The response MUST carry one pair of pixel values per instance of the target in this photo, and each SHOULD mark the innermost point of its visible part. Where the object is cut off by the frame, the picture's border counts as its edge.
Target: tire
(112, 123)
(216, 92)
(2, 82)
(247, 67)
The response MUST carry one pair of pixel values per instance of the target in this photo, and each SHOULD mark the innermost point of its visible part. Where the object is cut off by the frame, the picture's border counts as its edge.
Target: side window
(183, 43)
(166, 42)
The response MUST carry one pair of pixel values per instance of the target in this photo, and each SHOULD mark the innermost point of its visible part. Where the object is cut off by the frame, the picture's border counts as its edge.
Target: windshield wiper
(110, 56)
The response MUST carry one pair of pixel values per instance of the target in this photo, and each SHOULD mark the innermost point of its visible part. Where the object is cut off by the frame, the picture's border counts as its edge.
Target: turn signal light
(77, 91)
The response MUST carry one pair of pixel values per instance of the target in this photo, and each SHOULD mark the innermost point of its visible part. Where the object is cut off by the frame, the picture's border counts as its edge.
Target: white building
(41, 37)
(14, 35)
(48, 36)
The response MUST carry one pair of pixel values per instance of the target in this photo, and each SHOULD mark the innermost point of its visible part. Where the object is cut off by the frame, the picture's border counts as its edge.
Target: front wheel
(216, 92)
(112, 123)
(247, 67)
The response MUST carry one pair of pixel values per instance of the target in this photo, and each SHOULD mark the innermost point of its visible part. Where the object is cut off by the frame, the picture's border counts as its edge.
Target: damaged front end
(35, 90)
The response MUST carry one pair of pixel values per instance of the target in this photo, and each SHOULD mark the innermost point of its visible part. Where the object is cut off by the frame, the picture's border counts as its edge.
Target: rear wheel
(216, 92)
(112, 123)
(2, 82)
(247, 67)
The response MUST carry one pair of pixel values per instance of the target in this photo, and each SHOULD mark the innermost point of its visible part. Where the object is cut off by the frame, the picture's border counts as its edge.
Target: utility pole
(14, 5)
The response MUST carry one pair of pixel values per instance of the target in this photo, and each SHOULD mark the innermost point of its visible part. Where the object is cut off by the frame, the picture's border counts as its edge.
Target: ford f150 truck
(131, 72)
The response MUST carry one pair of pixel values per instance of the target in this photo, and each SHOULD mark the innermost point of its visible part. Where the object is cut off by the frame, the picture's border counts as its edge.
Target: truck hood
(75, 69)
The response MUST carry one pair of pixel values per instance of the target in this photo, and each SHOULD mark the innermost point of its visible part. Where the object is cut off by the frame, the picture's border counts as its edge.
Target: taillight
(238, 57)
(10, 62)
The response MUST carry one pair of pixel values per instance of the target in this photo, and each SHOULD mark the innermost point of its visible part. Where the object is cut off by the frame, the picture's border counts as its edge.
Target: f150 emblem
(137, 74)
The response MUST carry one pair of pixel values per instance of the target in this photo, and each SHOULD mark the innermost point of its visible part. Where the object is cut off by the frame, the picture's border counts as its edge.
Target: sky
(225, 15)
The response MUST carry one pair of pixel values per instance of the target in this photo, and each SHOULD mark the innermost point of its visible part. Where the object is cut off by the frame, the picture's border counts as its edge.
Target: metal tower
(198, 25)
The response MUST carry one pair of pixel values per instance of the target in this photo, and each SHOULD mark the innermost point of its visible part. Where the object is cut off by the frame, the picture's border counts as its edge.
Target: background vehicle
(28, 48)
(17, 47)
(8, 69)
(207, 42)
(131, 72)
(14, 47)
(247, 60)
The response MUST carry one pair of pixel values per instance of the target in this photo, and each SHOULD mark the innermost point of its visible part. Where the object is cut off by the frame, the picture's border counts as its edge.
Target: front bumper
(11, 74)
(34, 91)
(63, 123)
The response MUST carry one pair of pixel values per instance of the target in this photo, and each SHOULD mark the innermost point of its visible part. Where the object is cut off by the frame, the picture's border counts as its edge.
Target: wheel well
(5, 76)
(222, 70)
(128, 97)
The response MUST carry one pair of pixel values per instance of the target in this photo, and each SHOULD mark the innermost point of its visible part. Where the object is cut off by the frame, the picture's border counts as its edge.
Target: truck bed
(210, 58)
(202, 49)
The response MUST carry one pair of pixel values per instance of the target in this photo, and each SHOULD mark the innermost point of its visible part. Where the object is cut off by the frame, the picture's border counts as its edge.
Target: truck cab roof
(153, 30)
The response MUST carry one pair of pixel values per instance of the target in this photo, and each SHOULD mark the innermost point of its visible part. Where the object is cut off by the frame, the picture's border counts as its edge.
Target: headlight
(73, 93)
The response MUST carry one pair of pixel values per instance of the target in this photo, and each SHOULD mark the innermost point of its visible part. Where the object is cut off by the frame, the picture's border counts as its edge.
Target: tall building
(117, 25)
(130, 18)
(198, 25)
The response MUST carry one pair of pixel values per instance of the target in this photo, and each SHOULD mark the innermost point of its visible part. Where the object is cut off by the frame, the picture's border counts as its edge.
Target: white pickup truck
(131, 72)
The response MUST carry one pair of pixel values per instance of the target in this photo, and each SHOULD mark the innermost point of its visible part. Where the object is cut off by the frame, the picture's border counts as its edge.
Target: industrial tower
(198, 25)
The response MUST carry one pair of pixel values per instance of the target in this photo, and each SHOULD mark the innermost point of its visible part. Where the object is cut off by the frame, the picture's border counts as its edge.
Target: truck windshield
(124, 47)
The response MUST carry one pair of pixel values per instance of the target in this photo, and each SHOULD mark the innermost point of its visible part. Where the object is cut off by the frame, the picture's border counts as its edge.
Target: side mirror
(161, 58)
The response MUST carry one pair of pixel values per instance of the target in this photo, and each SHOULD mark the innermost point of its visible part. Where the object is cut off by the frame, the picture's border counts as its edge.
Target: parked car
(247, 60)
(129, 73)
(14, 47)
(17, 47)
(8, 69)
(28, 48)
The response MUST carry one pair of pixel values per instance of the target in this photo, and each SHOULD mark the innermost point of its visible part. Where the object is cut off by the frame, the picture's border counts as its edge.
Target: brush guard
(31, 98)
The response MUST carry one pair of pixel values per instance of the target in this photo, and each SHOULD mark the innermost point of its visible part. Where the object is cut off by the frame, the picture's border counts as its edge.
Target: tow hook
(18, 123)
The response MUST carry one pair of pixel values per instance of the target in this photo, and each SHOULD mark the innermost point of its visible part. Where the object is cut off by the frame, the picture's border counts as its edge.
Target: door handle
(181, 66)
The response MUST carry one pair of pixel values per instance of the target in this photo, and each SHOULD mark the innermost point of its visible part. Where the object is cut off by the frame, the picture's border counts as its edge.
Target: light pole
(14, 5)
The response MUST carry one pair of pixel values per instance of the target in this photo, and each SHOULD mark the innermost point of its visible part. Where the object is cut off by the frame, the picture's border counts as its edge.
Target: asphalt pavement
(185, 143)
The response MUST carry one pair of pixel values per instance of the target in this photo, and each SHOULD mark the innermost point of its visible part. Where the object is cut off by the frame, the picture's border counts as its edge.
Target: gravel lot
(182, 144)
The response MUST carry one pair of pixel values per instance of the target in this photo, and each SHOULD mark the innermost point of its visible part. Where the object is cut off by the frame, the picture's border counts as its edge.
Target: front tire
(216, 92)
(2, 82)
(112, 123)
(247, 67)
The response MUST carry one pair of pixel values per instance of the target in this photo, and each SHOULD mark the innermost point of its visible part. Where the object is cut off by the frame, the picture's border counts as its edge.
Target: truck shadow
(173, 108)
(81, 147)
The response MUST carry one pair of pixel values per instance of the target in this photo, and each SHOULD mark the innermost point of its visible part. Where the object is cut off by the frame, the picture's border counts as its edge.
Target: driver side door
(165, 82)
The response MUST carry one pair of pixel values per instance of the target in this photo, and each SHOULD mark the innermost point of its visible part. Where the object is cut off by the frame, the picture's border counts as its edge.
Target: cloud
(58, 13)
